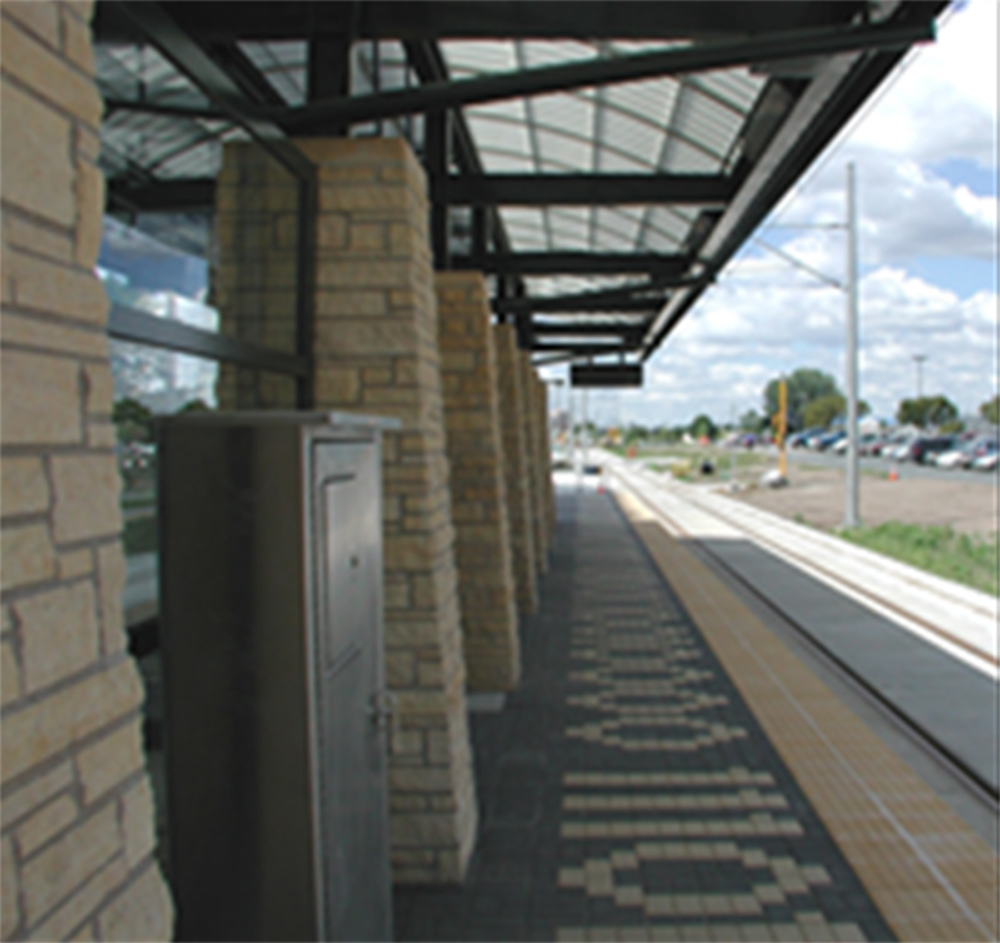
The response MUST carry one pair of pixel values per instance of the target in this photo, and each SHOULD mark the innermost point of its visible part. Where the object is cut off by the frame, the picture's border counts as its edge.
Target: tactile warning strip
(930, 875)
(626, 791)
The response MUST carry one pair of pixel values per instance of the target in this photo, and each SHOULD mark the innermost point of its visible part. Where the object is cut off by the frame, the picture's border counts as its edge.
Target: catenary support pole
(851, 516)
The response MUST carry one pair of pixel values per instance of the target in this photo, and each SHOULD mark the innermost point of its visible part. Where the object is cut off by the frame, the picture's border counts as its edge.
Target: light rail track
(971, 781)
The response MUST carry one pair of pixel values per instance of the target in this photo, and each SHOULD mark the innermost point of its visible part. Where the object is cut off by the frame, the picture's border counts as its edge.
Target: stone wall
(516, 467)
(478, 490)
(254, 282)
(545, 451)
(376, 352)
(539, 516)
(77, 811)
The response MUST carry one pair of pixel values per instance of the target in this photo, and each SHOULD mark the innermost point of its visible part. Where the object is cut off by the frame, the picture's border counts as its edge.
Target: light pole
(851, 516)
(919, 359)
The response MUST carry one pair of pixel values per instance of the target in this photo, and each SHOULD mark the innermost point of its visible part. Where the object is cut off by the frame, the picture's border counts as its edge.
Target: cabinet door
(351, 748)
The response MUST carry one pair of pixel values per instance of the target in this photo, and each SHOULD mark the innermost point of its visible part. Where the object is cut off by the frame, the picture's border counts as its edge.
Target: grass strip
(973, 561)
(140, 535)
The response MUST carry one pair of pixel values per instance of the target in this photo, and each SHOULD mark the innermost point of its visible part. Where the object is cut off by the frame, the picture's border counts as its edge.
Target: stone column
(545, 440)
(255, 279)
(78, 837)
(516, 468)
(543, 469)
(478, 490)
(538, 515)
(376, 351)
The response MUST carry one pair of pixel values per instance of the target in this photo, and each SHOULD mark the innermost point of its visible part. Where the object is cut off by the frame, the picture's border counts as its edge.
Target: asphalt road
(905, 469)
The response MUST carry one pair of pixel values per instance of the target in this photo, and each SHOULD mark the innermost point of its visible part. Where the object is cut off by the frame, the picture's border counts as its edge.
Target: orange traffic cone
(893, 474)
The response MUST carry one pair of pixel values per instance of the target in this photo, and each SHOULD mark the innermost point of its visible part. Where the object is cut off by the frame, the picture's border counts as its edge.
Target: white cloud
(764, 316)
(750, 328)
(944, 102)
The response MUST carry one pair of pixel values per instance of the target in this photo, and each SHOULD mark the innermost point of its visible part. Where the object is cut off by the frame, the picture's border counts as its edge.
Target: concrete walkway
(625, 790)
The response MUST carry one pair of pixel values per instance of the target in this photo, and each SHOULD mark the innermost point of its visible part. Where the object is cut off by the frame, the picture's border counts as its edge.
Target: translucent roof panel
(669, 124)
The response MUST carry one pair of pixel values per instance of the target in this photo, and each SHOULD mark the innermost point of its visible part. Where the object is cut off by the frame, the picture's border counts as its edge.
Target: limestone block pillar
(544, 466)
(376, 351)
(538, 514)
(478, 489)
(545, 431)
(510, 396)
(254, 283)
(77, 844)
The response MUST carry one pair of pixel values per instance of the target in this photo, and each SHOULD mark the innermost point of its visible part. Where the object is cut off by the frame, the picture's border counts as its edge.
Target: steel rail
(974, 784)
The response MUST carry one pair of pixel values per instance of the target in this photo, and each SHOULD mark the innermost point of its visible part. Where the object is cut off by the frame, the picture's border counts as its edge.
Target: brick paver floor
(625, 791)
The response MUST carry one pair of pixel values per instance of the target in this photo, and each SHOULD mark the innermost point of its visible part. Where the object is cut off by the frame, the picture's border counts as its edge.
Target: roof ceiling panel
(559, 151)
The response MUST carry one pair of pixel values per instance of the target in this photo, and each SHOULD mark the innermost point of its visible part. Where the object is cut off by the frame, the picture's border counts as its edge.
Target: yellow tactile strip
(929, 874)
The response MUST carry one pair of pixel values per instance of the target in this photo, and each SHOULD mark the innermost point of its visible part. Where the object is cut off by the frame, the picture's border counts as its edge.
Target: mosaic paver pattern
(626, 791)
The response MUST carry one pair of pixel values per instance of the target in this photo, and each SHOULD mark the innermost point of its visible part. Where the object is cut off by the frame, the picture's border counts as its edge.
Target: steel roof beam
(186, 55)
(169, 196)
(585, 349)
(541, 19)
(503, 190)
(593, 72)
(640, 297)
(608, 189)
(629, 333)
(559, 306)
(818, 114)
(575, 263)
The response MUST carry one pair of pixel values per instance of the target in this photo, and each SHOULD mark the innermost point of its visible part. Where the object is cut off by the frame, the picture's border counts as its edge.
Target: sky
(925, 153)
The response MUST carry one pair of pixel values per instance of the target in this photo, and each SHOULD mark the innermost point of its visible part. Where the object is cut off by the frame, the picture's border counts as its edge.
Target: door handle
(382, 709)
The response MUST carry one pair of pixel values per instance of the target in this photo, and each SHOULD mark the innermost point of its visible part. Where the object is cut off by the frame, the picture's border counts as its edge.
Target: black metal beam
(601, 71)
(604, 375)
(823, 108)
(503, 19)
(575, 263)
(585, 349)
(196, 195)
(162, 32)
(190, 112)
(607, 299)
(438, 138)
(629, 333)
(559, 305)
(128, 324)
(611, 189)
(482, 190)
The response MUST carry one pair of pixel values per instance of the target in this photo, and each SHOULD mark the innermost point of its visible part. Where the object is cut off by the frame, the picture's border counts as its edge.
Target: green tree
(823, 411)
(927, 411)
(133, 421)
(635, 433)
(990, 410)
(804, 386)
(703, 425)
(752, 421)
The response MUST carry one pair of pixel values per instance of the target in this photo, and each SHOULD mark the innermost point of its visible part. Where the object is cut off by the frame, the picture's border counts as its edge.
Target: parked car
(863, 442)
(897, 442)
(923, 449)
(872, 444)
(987, 461)
(824, 442)
(799, 440)
(966, 450)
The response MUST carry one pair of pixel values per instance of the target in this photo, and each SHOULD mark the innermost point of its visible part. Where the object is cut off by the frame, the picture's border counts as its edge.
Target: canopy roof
(600, 161)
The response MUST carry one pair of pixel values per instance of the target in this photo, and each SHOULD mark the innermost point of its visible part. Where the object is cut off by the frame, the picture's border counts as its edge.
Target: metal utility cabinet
(271, 621)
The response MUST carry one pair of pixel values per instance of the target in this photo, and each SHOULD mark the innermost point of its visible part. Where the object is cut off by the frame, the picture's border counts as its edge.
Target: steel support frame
(548, 79)
(597, 189)
(821, 110)
(575, 263)
(188, 57)
(140, 327)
